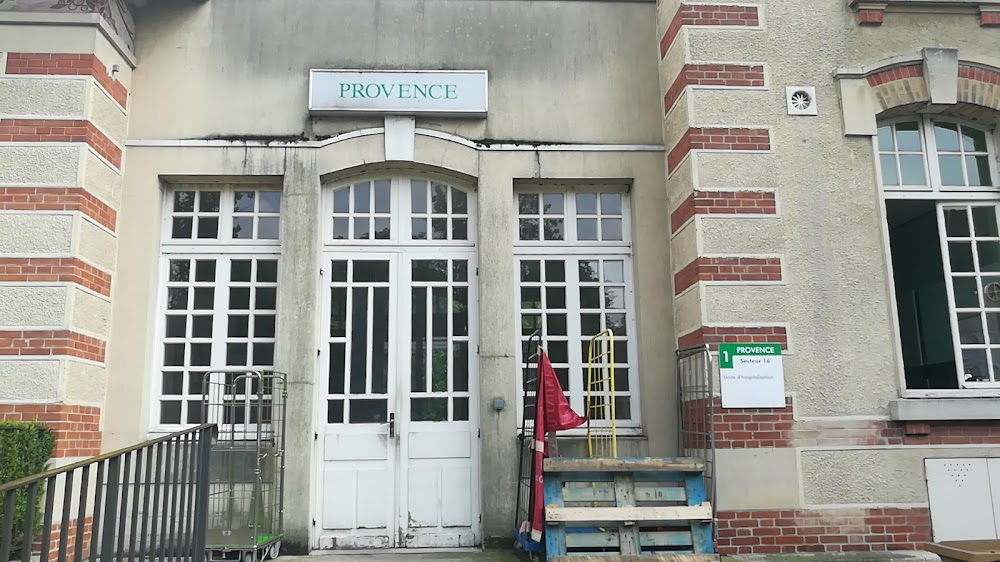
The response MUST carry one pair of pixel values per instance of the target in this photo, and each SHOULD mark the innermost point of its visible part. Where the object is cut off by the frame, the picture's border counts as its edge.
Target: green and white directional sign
(752, 375)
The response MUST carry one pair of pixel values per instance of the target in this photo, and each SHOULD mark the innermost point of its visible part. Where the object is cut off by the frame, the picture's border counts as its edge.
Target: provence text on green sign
(729, 350)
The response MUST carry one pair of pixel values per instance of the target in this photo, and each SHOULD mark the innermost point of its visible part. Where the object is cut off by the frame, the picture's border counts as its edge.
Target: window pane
(552, 203)
(555, 271)
(973, 140)
(371, 271)
(267, 271)
(961, 256)
(382, 196)
(201, 326)
(439, 198)
(974, 362)
(183, 201)
(590, 324)
(342, 200)
(991, 293)
(951, 170)
(359, 342)
(989, 255)
(170, 412)
(885, 138)
(267, 228)
(460, 311)
(531, 297)
(946, 136)
(176, 326)
(459, 229)
(985, 220)
(531, 271)
(555, 297)
(244, 202)
(966, 292)
(418, 228)
(555, 324)
(530, 323)
(180, 270)
(590, 297)
(368, 411)
(204, 298)
(341, 228)
(912, 167)
(459, 202)
(182, 228)
(553, 229)
(338, 270)
(439, 229)
(382, 228)
(362, 197)
(177, 298)
(208, 228)
(429, 270)
(908, 136)
(586, 203)
(611, 229)
(239, 298)
(611, 204)
(614, 272)
(418, 197)
(460, 365)
(528, 229)
(263, 326)
(266, 298)
(978, 168)
(970, 327)
(993, 324)
(586, 229)
(527, 203)
(418, 328)
(335, 411)
(460, 270)
(614, 298)
(956, 222)
(429, 409)
(889, 173)
(361, 229)
(380, 340)
(269, 201)
(588, 271)
(243, 227)
(461, 409)
(616, 323)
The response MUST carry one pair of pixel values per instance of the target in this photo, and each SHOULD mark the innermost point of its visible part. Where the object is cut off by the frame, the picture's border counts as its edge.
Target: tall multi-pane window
(939, 181)
(219, 291)
(574, 279)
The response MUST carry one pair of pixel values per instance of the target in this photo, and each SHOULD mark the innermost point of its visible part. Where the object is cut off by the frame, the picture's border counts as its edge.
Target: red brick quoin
(77, 428)
(71, 270)
(723, 203)
(58, 199)
(59, 130)
(67, 65)
(722, 75)
(989, 19)
(73, 534)
(708, 14)
(51, 342)
(727, 269)
(835, 530)
(731, 138)
(871, 17)
(714, 335)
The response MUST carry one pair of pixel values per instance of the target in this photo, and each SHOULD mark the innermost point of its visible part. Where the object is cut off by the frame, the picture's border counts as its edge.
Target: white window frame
(572, 250)
(943, 196)
(223, 250)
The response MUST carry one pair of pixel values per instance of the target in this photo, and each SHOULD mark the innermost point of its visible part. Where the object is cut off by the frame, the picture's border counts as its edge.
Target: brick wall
(718, 75)
(897, 73)
(730, 138)
(714, 335)
(708, 14)
(803, 531)
(73, 534)
(77, 428)
(69, 270)
(727, 269)
(58, 199)
(51, 342)
(68, 64)
(59, 130)
(989, 19)
(980, 74)
(871, 17)
(723, 203)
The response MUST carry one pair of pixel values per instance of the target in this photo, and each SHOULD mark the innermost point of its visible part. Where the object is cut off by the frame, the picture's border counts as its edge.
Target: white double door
(399, 439)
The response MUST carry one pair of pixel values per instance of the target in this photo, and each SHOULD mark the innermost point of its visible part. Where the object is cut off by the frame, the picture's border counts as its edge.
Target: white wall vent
(801, 100)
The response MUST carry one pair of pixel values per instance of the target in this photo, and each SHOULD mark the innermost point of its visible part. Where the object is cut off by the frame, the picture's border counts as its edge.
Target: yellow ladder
(601, 441)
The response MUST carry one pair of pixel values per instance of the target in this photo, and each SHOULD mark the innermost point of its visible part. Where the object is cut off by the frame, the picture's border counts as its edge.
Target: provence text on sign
(752, 375)
(454, 93)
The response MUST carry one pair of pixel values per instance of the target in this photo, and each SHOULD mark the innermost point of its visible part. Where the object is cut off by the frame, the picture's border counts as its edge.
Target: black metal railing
(145, 502)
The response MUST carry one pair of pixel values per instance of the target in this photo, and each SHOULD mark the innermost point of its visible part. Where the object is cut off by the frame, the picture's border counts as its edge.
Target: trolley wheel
(250, 556)
(274, 550)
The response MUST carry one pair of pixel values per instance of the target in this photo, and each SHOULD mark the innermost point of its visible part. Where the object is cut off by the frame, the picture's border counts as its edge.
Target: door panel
(359, 458)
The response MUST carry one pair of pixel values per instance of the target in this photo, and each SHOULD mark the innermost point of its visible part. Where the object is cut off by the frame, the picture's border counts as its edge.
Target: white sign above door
(450, 93)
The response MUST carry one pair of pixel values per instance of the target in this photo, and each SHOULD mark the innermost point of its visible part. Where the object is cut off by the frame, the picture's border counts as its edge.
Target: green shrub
(25, 450)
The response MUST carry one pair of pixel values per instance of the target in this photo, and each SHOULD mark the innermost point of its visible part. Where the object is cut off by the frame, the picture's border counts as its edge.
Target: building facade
(175, 198)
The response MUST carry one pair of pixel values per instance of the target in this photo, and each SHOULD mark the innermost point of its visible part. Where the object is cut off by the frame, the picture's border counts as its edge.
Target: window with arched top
(398, 210)
(940, 185)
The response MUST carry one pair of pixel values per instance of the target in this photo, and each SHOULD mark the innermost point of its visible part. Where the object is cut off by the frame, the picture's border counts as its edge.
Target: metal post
(111, 509)
(29, 524)
(7, 526)
(205, 437)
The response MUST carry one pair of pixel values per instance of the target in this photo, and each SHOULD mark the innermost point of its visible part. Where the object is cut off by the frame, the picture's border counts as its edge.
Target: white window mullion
(576, 389)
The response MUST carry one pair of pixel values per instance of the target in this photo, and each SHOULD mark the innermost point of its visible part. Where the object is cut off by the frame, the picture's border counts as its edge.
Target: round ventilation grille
(801, 100)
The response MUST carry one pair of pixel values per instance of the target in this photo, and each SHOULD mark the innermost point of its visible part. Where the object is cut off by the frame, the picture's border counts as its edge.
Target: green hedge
(25, 449)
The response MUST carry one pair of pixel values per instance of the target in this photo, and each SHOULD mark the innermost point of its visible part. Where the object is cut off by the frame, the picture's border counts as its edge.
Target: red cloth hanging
(552, 413)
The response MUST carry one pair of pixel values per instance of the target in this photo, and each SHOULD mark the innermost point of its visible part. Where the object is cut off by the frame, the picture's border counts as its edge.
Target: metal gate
(696, 410)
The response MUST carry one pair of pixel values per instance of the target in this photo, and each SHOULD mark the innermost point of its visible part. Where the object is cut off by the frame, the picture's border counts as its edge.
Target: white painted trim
(56, 284)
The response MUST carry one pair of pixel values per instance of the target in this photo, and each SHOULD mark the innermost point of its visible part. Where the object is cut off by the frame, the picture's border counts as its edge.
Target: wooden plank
(592, 540)
(599, 493)
(598, 557)
(555, 537)
(654, 539)
(660, 494)
(674, 476)
(639, 464)
(701, 531)
(621, 514)
(625, 498)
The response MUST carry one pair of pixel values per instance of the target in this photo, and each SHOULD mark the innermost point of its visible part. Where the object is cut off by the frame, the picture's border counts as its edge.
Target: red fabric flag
(552, 413)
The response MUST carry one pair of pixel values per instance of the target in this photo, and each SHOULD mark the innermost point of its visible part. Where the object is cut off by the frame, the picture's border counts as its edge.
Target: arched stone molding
(933, 81)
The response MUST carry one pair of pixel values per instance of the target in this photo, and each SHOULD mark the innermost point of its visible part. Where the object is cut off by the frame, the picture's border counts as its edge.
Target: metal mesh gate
(696, 410)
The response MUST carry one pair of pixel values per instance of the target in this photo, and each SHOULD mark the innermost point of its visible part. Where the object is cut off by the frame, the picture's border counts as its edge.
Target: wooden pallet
(623, 509)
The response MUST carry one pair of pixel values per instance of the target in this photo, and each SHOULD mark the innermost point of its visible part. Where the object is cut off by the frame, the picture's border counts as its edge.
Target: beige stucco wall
(34, 306)
(29, 381)
(43, 98)
(31, 165)
(24, 233)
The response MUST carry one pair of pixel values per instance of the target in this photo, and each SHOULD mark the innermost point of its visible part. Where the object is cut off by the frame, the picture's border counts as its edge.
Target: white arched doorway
(398, 391)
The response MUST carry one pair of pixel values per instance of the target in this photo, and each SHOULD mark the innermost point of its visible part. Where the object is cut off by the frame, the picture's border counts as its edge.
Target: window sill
(944, 409)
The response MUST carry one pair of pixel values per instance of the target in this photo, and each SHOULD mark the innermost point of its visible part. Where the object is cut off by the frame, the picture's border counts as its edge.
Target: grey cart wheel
(274, 550)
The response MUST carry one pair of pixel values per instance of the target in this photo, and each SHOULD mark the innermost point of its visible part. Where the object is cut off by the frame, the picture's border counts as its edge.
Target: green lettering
(430, 91)
(344, 88)
(419, 90)
(404, 91)
(384, 89)
(356, 91)
(450, 93)
(368, 90)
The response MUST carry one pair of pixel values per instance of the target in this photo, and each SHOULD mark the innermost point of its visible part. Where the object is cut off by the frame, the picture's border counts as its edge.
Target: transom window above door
(400, 211)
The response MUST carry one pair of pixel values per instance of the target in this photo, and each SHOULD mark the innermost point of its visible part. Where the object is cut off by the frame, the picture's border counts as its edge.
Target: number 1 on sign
(725, 356)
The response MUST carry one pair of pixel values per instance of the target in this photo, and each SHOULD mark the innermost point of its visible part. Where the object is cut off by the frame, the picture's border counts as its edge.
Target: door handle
(392, 426)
